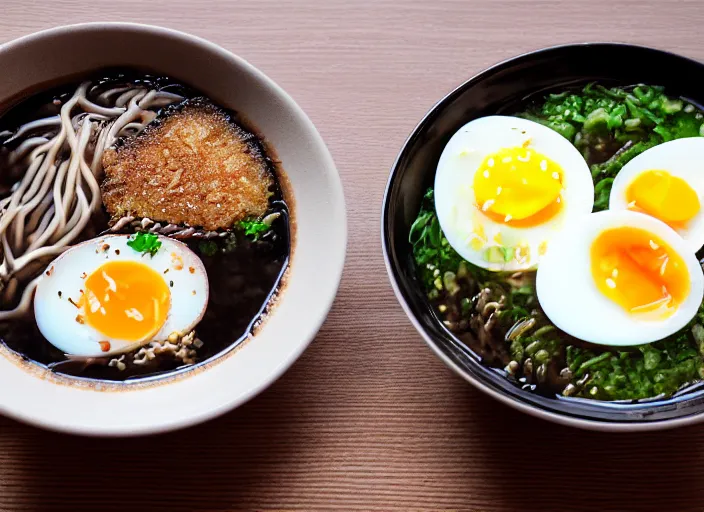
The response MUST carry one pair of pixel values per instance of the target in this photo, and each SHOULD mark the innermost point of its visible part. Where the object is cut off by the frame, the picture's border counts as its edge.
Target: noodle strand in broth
(59, 192)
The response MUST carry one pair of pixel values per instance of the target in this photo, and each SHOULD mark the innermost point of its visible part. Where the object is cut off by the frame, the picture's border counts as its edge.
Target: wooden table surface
(368, 418)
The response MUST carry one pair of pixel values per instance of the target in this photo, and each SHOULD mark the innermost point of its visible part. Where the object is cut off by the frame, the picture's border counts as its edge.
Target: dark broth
(243, 273)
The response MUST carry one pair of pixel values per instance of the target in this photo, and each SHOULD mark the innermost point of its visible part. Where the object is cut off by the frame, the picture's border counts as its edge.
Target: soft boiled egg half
(619, 278)
(505, 186)
(666, 182)
(102, 297)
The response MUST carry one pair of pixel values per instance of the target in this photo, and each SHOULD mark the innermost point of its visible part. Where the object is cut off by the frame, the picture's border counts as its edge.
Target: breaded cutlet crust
(195, 168)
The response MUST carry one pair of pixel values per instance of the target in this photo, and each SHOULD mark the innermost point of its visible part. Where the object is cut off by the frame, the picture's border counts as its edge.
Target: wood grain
(368, 419)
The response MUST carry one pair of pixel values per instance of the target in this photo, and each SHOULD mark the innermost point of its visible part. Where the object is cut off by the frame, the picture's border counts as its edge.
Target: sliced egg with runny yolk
(102, 297)
(504, 187)
(518, 187)
(638, 271)
(128, 300)
(620, 278)
(664, 196)
(666, 182)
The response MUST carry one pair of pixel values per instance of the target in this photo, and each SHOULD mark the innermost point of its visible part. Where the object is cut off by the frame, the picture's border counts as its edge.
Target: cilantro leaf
(254, 228)
(145, 242)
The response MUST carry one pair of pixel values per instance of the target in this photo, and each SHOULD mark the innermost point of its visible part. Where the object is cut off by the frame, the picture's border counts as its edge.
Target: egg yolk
(126, 300)
(518, 186)
(663, 196)
(639, 272)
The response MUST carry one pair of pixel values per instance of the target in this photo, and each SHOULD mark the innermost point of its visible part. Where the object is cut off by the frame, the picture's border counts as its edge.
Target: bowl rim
(582, 423)
(336, 253)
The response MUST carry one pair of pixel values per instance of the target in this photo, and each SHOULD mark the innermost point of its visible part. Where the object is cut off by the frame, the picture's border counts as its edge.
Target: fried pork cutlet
(195, 168)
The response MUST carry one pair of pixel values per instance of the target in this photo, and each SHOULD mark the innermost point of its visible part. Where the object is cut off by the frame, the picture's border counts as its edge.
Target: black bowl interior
(503, 88)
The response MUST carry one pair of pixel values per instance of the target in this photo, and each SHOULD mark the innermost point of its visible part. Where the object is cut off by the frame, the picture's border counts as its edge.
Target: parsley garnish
(145, 242)
(254, 228)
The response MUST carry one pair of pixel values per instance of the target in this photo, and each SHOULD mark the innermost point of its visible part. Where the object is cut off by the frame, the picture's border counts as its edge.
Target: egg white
(56, 315)
(455, 200)
(683, 158)
(570, 298)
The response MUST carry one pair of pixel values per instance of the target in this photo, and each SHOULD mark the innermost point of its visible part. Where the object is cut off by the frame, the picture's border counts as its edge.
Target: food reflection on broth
(143, 228)
(617, 311)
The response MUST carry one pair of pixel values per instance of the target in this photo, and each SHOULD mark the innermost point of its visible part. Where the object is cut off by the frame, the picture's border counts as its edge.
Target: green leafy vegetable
(254, 228)
(602, 192)
(208, 248)
(598, 118)
(145, 243)
(431, 250)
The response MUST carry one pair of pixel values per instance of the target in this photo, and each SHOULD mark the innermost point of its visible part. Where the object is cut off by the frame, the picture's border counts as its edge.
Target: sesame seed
(506, 159)
(485, 174)
(543, 165)
(663, 267)
(488, 204)
(653, 245)
(610, 283)
(490, 162)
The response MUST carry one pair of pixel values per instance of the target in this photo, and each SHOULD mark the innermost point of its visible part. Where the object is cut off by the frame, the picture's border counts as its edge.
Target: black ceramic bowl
(501, 89)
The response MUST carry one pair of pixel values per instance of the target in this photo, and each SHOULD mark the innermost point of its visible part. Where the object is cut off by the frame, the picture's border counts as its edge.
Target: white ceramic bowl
(38, 397)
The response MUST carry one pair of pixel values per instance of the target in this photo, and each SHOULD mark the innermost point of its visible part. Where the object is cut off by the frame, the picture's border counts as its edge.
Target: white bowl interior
(319, 249)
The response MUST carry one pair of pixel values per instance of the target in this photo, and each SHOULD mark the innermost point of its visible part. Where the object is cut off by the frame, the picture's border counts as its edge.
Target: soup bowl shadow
(503, 88)
(65, 54)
